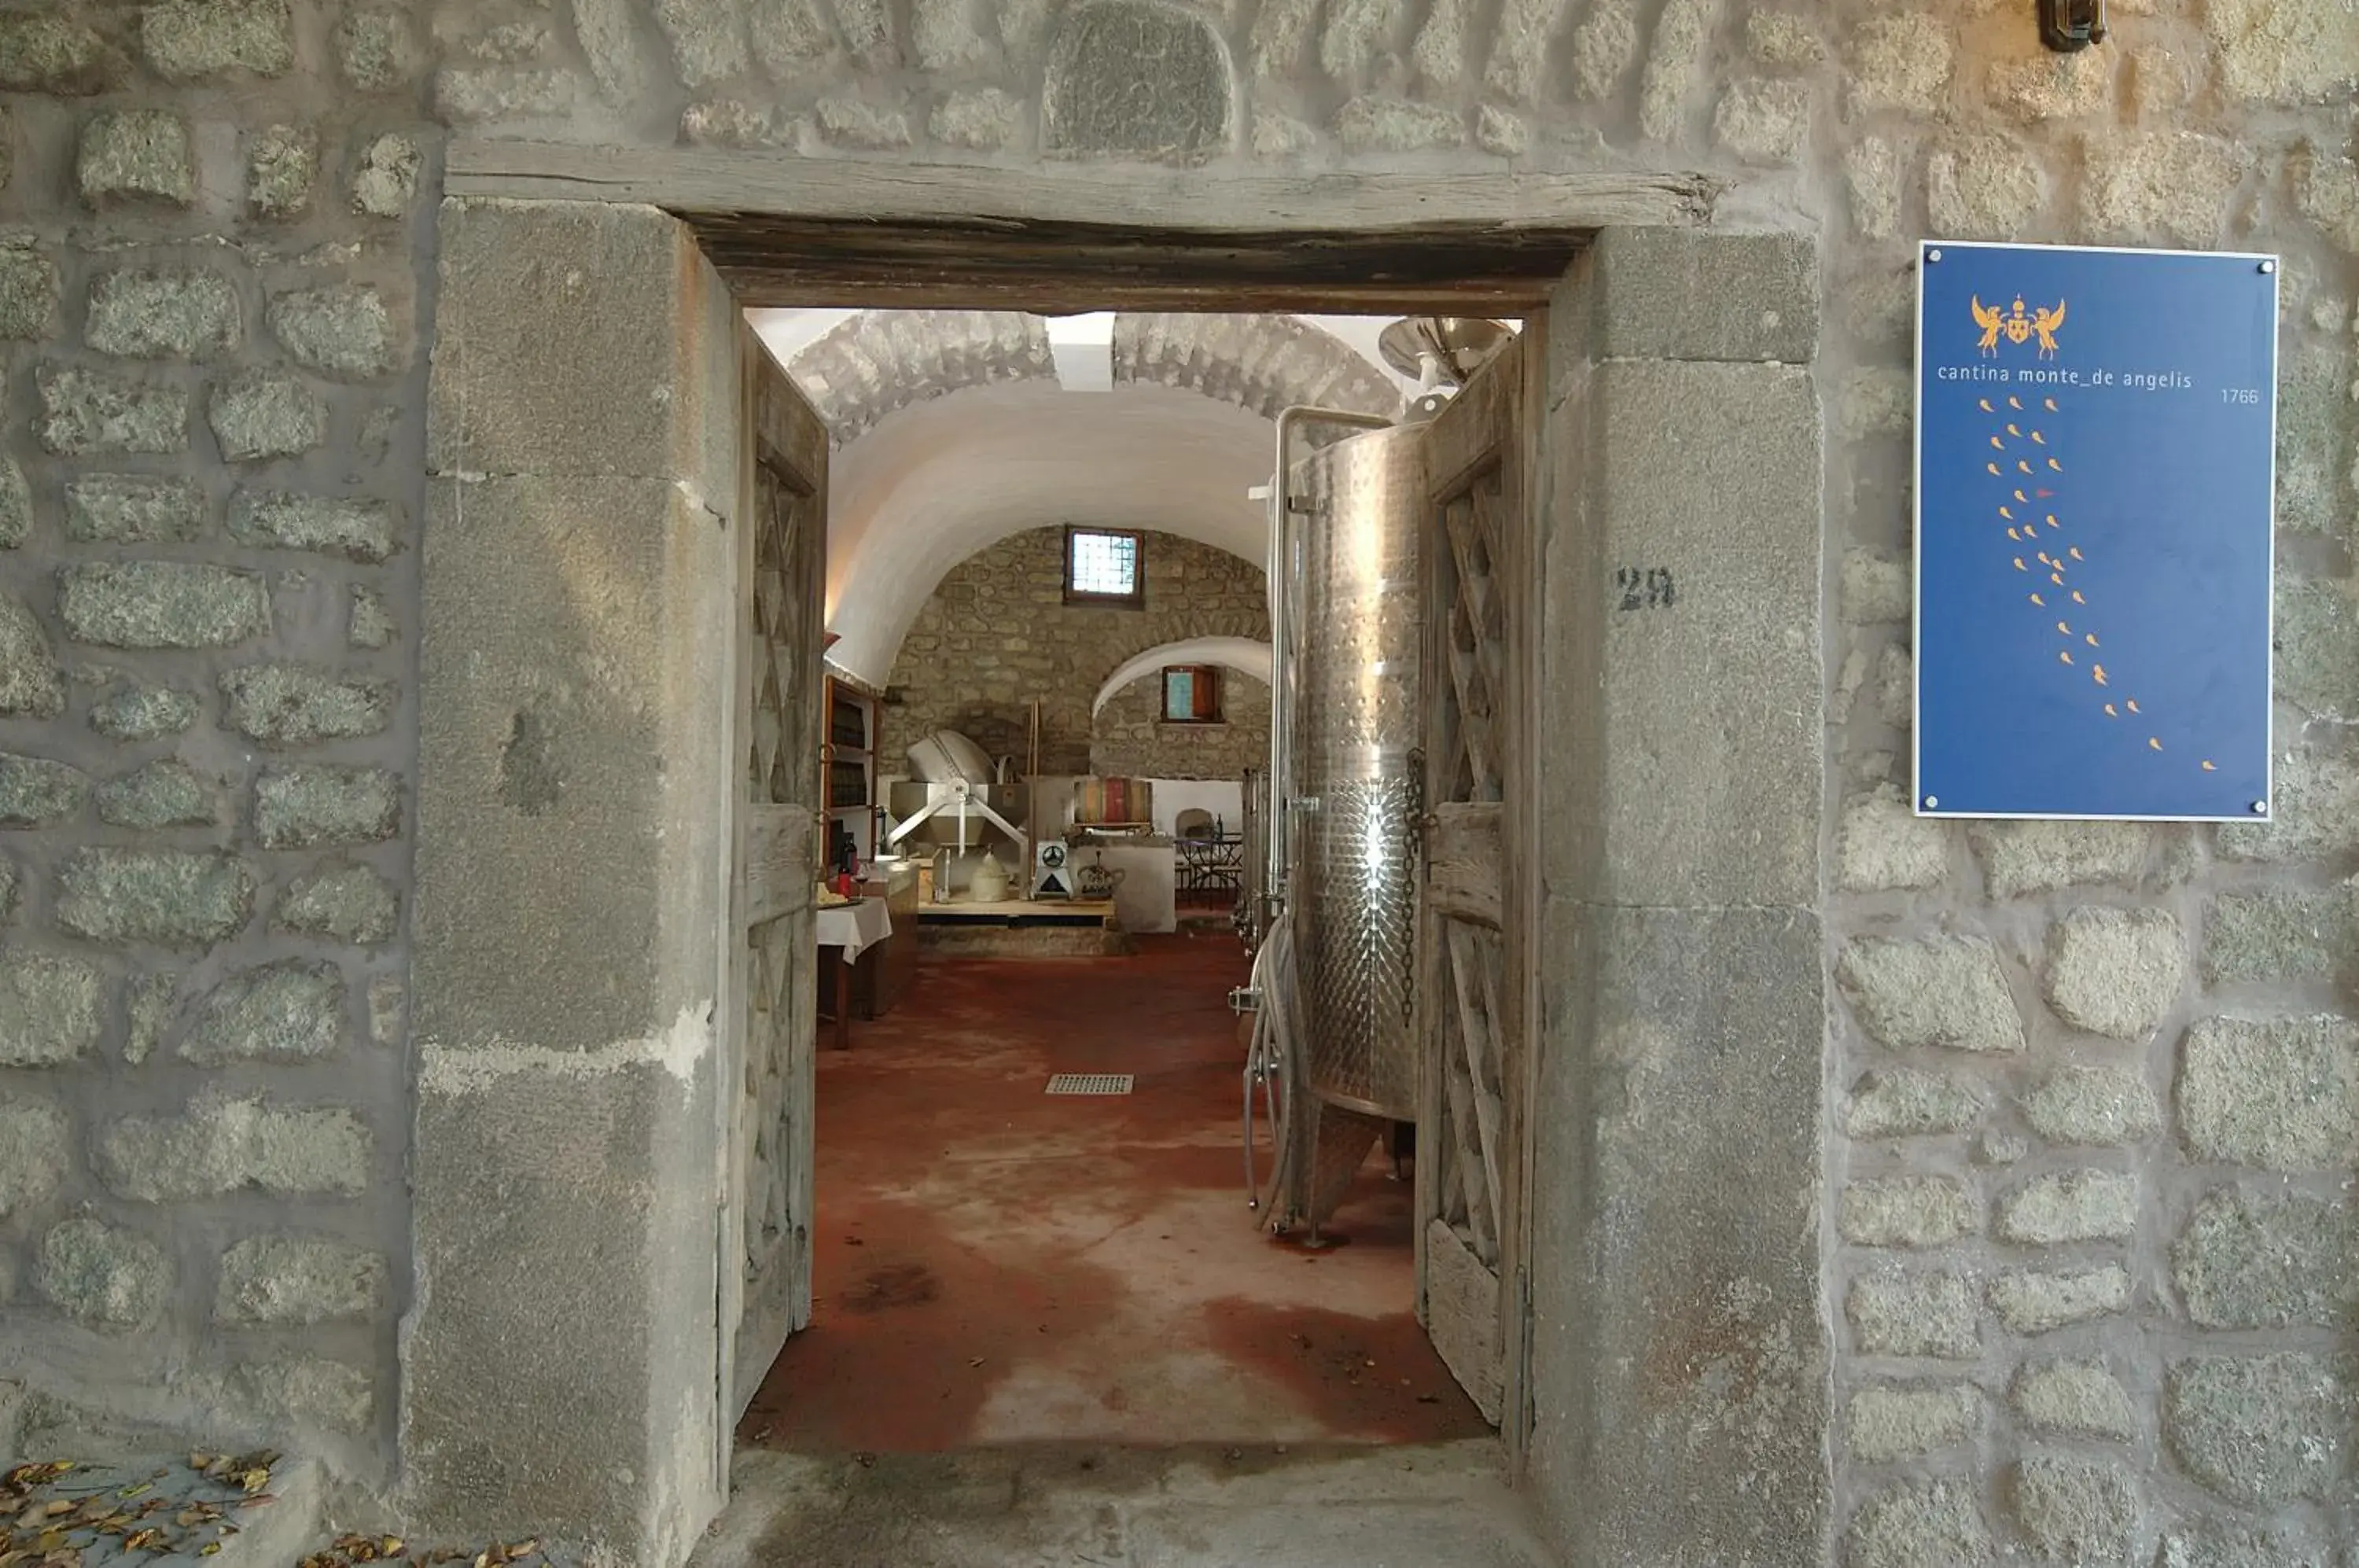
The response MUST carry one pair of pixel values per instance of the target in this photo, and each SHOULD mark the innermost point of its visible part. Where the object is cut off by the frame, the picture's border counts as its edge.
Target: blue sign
(2096, 458)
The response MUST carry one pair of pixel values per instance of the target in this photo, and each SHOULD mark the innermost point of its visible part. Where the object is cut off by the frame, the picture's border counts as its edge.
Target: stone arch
(1265, 362)
(881, 361)
(1243, 655)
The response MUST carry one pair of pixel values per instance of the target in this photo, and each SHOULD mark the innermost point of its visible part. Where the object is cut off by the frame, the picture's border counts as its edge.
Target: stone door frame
(559, 1361)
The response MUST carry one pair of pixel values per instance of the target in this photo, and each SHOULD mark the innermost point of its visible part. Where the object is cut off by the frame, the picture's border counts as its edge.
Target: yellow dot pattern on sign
(2008, 439)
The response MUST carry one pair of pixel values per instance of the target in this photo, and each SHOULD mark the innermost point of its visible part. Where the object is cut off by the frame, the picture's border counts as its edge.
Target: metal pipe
(1275, 835)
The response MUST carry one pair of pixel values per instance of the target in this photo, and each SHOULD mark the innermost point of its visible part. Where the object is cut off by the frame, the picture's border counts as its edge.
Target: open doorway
(1042, 753)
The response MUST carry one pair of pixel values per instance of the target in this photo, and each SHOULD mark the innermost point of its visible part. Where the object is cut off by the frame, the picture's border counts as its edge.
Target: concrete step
(1441, 1506)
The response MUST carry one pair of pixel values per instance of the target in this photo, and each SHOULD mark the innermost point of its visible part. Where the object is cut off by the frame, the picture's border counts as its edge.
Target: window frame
(1134, 600)
(1202, 678)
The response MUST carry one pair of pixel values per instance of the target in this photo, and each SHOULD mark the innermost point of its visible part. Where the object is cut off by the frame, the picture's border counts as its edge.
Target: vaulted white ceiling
(928, 486)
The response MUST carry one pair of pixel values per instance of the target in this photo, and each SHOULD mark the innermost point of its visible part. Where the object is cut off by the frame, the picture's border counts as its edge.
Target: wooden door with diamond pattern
(765, 1278)
(1476, 884)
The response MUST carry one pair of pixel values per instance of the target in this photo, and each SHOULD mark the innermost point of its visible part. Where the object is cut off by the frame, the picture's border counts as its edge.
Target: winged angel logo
(2017, 327)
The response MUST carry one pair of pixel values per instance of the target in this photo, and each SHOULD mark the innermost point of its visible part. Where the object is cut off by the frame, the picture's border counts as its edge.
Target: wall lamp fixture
(2069, 25)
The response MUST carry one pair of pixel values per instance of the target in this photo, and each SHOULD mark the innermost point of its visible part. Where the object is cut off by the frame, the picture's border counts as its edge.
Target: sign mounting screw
(2268, 267)
(2260, 808)
(1932, 255)
(1932, 802)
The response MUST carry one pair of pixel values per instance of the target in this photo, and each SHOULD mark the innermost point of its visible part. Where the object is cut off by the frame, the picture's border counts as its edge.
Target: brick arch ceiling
(952, 433)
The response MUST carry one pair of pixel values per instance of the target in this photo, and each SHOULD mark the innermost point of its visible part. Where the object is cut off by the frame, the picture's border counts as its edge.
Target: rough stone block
(1907, 1210)
(1763, 122)
(985, 120)
(103, 1275)
(851, 122)
(224, 1145)
(167, 898)
(358, 530)
(136, 155)
(15, 506)
(2094, 1105)
(377, 48)
(1884, 845)
(2280, 934)
(2250, 1261)
(305, 1393)
(2070, 1205)
(2170, 184)
(282, 163)
(292, 1281)
(708, 39)
(2038, 857)
(1930, 1314)
(260, 415)
(386, 183)
(1983, 187)
(288, 706)
(190, 41)
(1871, 179)
(36, 1153)
(2115, 972)
(2264, 1430)
(57, 52)
(791, 37)
(942, 36)
(472, 95)
(1919, 1524)
(1938, 991)
(1646, 279)
(1904, 1420)
(32, 685)
(2314, 426)
(164, 794)
(146, 314)
(123, 508)
(2220, 1545)
(1603, 47)
(2316, 809)
(161, 604)
(48, 1010)
(299, 808)
(348, 903)
(289, 1010)
(85, 414)
(1372, 123)
(372, 624)
(1130, 78)
(143, 713)
(2316, 636)
(343, 330)
(1899, 61)
(2281, 1093)
(149, 1002)
(28, 293)
(2074, 1398)
(2076, 1511)
(35, 792)
(516, 325)
(2283, 52)
(1900, 1102)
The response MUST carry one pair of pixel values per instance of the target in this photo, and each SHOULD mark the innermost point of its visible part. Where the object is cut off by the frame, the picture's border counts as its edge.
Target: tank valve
(1244, 1000)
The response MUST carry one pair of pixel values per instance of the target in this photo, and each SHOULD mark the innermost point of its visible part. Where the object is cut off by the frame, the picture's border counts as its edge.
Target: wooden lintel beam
(695, 180)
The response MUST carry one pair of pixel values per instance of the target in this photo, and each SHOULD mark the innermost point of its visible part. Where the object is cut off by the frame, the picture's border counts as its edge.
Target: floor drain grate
(1090, 1084)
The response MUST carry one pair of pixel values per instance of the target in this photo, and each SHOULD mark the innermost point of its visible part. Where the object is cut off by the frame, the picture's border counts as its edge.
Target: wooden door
(1477, 885)
(765, 1281)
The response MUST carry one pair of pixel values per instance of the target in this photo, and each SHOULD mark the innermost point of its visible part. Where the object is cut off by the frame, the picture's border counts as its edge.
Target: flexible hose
(1269, 1065)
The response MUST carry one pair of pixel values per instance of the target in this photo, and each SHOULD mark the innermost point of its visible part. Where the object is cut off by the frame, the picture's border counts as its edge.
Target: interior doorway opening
(1027, 1204)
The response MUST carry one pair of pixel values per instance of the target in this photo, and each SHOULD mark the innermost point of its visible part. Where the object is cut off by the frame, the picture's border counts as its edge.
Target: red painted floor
(998, 1265)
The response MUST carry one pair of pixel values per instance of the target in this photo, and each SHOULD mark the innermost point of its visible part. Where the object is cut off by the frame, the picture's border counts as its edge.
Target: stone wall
(2090, 1104)
(997, 635)
(1128, 739)
(210, 286)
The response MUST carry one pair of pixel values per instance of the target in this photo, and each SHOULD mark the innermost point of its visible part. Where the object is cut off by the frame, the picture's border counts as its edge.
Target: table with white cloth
(850, 929)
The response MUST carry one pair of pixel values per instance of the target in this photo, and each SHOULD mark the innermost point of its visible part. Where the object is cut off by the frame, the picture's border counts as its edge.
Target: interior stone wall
(2092, 1093)
(997, 635)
